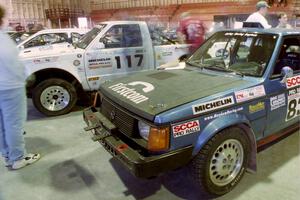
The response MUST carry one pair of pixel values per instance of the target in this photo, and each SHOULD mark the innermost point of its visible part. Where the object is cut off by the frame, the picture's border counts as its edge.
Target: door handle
(27, 51)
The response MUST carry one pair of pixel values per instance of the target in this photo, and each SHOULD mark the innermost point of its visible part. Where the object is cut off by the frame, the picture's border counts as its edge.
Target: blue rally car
(238, 91)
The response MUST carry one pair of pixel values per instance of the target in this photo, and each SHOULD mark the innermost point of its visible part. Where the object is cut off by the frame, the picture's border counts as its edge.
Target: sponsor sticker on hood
(213, 105)
(186, 128)
(250, 93)
(130, 93)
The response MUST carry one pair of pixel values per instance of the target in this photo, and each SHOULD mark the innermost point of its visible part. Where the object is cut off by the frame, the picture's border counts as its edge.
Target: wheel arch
(222, 123)
(34, 79)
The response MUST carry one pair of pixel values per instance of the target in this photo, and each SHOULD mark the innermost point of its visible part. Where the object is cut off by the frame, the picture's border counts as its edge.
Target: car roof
(277, 31)
(78, 30)
(122, 22)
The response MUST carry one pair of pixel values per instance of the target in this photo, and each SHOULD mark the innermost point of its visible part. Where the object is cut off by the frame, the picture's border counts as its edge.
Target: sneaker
(27, 160)
(6, 164)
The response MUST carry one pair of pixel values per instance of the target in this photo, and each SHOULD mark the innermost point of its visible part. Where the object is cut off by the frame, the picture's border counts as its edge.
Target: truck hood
(150, 93)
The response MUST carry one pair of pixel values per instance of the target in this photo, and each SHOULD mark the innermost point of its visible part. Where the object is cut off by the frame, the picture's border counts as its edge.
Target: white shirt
(12, 73)
(257, 17)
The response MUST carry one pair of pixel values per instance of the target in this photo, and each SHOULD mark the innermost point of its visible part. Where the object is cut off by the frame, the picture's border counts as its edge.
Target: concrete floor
(74, 167)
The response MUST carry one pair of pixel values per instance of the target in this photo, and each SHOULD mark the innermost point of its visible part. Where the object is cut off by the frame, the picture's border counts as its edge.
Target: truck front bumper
(103, 130)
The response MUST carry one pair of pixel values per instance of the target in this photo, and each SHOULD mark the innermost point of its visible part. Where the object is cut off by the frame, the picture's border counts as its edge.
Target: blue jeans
(13, 113)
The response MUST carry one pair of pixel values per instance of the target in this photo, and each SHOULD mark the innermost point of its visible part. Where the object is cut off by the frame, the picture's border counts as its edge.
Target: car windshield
(239, 52)
(89, 36)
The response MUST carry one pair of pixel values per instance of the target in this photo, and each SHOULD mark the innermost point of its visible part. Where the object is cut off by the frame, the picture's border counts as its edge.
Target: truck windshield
(240, 52)
(89, 36)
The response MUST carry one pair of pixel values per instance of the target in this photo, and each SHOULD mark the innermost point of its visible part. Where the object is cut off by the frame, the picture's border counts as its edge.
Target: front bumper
(105, 132)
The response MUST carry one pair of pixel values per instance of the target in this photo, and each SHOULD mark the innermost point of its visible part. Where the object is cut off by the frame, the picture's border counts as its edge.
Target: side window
(121, 36)
(158, 39)
(289, 56)
(45, 39)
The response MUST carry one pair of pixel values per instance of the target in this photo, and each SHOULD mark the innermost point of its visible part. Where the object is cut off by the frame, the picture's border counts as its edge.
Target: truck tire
(222, 162)
(54, 97)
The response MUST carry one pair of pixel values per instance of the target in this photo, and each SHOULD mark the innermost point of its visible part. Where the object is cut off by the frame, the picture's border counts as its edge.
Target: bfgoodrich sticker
(250, 93)
(213, 105)
(186, 128)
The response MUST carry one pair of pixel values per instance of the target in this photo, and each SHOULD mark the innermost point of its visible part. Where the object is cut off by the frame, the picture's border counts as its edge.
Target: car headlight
(144, 130)
(158, 137)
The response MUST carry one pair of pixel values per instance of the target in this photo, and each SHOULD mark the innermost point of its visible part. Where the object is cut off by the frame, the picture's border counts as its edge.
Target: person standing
(283, 21)
(13, 105)
(191, 30)
(259, 16)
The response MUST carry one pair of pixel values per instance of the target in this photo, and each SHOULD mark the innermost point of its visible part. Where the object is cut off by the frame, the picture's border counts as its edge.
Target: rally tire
(54, 97)
(218, 170)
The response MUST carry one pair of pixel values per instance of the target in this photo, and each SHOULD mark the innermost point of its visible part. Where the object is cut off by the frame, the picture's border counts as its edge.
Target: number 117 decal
(138, 57)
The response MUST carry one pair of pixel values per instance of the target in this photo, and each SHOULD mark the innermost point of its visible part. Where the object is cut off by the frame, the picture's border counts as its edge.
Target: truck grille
(124, 122)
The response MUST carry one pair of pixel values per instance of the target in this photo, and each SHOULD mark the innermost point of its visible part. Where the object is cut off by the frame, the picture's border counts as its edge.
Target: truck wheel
(54, 97)
(222, 162)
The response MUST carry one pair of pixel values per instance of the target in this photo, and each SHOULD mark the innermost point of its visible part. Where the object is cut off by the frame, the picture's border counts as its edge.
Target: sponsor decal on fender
(130, 93)
(221, 114)
(277, 101)
(250, 93)
(293, 81)
(213, 105)
(45, 60)
(257, 107)
(186, 128)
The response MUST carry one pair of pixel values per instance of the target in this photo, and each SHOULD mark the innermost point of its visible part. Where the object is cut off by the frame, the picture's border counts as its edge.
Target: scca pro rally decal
(250, 93)
(186, 128)
(293, 104)
(293, 81)
(130, 93)
(213, 105)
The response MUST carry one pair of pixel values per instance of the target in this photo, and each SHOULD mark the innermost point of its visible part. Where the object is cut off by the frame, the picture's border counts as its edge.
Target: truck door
(123, 51)
(284, 109)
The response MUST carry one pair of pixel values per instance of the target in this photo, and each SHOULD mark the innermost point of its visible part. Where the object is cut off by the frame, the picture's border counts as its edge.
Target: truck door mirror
(286, 72)
(99, 45)
(21, 47)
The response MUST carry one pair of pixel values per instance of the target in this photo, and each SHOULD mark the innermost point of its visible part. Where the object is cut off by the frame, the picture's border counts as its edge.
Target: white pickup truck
(111, 49)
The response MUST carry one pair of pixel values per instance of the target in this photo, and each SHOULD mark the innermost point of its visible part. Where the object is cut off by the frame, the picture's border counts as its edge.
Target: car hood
(150, 93)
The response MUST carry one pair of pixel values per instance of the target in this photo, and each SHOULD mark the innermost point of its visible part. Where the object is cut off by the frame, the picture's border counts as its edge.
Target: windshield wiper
(194, 64)
(220, 66)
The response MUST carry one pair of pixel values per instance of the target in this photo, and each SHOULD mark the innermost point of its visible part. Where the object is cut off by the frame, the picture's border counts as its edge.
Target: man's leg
(14, 110)
(3, 145)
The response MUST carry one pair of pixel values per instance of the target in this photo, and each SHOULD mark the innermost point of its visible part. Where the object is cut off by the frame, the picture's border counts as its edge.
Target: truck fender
(215, 126)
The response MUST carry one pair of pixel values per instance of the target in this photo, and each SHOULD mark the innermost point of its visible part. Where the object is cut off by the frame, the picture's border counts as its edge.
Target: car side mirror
(21, 47)
(286, 72)
(100, 45)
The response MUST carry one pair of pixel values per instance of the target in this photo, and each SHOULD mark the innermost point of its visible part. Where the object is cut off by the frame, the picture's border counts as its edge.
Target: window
(121, 36)
(44, 39)
(289, 55)
(239, 52)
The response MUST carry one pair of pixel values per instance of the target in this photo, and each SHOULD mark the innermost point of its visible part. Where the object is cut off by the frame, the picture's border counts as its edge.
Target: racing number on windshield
(129, 62)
